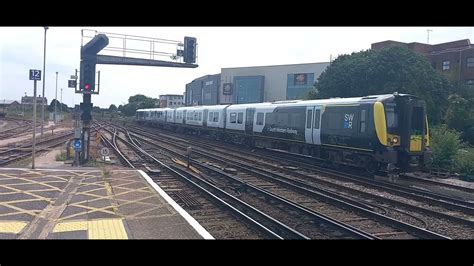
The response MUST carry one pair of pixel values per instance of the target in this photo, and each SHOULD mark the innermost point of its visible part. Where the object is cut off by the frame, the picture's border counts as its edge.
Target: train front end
(407, 132)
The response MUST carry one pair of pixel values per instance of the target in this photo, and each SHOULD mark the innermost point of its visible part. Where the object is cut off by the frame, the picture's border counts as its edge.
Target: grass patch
(61, 156)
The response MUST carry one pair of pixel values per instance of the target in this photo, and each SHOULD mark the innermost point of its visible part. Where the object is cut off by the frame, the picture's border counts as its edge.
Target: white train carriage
(214, 116)
(193, 116)
(141, 114)
(241, 118)
(157, 115)
(169, 115)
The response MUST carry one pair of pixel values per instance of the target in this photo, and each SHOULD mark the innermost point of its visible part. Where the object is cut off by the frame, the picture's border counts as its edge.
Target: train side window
(362, 120)
(233, 118)
(317, 119)
(260, 119)
(216, 116)
(240, 118)
(211, 116)
(309, 118)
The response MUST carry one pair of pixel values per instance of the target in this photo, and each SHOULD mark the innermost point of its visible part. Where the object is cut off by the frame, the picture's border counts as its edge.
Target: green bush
(465, 161)
(445, 144)
(61, 156)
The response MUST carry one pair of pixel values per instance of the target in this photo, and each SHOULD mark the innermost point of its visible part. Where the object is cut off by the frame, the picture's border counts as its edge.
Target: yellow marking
(415, 143)
(194, 169)
(380, 123)
(30, 212)
(70, 226)
(427, 135)
(30, 181)
(96, 229)
(89, 211)
(110, 194)
(13, 227)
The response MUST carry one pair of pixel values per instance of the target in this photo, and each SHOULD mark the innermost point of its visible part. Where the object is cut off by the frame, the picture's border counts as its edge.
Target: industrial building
(254, 84)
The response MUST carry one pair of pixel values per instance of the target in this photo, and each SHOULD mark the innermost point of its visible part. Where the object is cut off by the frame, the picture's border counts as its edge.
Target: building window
(470, 62)
(446, 65)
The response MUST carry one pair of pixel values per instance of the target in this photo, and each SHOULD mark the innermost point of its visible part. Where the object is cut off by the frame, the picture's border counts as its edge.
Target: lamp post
(56, 98)
(44, 81)
(61, 106)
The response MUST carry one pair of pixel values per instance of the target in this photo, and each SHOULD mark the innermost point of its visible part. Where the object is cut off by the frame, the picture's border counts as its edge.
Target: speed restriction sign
(104, 151)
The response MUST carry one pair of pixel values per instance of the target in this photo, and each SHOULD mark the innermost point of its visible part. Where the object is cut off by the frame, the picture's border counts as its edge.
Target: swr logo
(348, 120)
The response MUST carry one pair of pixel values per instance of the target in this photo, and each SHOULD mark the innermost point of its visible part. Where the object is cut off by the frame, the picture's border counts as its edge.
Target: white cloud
(21, 49)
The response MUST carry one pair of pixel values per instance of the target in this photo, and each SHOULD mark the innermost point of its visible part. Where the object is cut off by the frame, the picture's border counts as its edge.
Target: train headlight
(395, 140)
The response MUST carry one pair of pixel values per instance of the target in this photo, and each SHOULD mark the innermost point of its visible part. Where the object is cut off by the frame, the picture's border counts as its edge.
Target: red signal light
(87, 87)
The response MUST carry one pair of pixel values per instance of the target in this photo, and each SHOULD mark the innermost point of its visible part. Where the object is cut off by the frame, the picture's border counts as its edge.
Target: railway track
(320, 226)
(443, 214)
(385, 232)
(17, 153)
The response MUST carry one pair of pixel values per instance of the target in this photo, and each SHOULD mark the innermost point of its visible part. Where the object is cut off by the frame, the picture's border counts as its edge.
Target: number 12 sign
(35, 74)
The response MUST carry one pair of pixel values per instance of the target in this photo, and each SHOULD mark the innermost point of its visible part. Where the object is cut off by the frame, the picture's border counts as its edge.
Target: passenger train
(379, 132)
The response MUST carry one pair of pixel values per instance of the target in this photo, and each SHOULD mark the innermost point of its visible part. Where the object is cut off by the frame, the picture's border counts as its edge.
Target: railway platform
(89, 203)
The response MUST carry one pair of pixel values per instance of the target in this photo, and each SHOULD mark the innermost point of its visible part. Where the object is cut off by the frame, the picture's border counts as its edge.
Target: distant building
(28, 100)
(254, 84)
(203, 90)
(454, 59)
(9, 104)
(171, 100)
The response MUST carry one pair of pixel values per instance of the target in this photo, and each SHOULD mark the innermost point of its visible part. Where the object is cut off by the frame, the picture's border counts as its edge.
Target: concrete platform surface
(89, 204)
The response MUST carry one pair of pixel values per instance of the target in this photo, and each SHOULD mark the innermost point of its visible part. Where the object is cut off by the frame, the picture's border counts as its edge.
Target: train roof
(352, 100)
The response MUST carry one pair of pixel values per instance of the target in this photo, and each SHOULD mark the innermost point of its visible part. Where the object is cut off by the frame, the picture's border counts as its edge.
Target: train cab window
(259, 119)
(211, 116)
(391, 117)
(195, 116)
(240, 118)
(317, 115)
(216, 116)
(417, 121)
(362, 120)
(233, 118)
(309, 118)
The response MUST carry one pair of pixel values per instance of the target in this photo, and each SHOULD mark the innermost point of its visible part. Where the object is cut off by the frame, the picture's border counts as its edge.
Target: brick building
(454, 59)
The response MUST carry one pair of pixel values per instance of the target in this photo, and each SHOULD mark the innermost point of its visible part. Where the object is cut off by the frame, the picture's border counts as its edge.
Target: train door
(317, 125)
(184, 117)
(313, 125)
(308, 132)
(249, 121)
(204, 117)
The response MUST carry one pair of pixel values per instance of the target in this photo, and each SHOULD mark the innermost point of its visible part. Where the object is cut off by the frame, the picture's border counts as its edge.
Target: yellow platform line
(96, 229)
(13, 227)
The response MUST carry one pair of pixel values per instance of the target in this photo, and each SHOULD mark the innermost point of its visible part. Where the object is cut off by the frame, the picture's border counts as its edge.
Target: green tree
(393, 69)
(113, 108)
(136, 102)
(445, 145)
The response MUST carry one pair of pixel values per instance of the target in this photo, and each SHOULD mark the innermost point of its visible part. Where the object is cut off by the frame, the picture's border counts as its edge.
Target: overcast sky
(21, 49)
